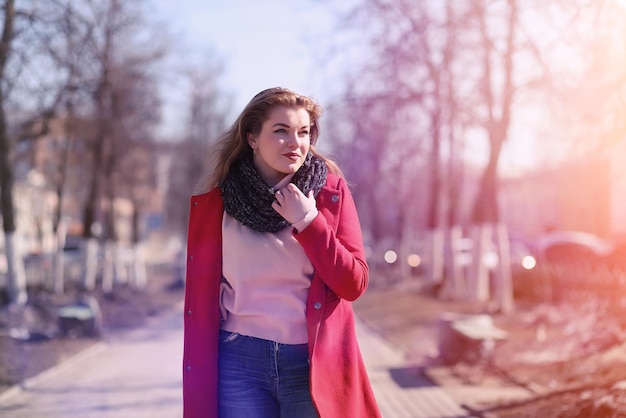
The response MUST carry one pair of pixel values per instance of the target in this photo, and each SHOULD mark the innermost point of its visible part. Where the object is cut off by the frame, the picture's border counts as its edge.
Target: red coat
(334, 244)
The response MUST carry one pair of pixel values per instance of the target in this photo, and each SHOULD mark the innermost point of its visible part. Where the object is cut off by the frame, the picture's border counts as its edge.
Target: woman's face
(283, 143)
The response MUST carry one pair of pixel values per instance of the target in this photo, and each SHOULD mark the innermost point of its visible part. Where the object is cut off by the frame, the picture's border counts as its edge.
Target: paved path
(132, 375)
(400, 392)
(137, 374)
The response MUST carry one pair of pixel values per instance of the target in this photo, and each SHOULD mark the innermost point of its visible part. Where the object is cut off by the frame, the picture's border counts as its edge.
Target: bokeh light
(391, 256)
(529, 262)
(414, 260)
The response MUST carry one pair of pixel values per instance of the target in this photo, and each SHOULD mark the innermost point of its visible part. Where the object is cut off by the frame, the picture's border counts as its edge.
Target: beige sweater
(268, 276)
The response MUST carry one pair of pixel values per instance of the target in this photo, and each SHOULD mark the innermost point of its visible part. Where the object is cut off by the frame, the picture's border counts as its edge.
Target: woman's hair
(233, 144)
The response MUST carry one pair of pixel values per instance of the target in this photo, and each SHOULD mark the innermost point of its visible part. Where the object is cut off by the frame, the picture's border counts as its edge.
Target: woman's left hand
(292, 204)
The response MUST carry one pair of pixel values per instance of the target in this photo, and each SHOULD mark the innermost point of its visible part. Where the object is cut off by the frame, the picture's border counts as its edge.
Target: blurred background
(483, 140)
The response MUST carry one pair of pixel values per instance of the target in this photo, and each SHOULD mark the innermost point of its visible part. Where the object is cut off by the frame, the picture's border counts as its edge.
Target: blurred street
(137, 374)
(483, 144)
(132, 374)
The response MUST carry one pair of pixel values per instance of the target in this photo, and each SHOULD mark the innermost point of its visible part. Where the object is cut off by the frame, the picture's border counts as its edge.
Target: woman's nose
(293, 140)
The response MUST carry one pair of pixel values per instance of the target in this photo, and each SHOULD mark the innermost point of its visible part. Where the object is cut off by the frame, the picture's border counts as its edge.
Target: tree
(65, 38)
(412, 73)
(16, 276)
(101, 88)
(114, 52)
(31, 92)
(496, 89)
(464, 67)
(206, 119)
(120, 77)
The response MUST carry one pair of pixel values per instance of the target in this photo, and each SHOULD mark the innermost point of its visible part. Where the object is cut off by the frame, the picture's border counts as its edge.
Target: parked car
(617, 259)
(575, 265)
(573, 247)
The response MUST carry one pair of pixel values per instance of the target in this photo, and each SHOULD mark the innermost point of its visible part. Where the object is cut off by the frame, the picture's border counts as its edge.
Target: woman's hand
(292, 204)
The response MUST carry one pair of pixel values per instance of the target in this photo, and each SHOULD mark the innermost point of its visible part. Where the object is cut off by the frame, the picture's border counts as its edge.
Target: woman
(275, 256)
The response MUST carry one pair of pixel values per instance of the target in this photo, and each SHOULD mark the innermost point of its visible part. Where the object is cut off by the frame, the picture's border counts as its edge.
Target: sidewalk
(137, 374)
(400, 392)
(134, 374)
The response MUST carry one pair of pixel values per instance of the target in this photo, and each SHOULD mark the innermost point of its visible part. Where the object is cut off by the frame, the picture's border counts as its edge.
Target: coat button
(188, 368)
(188, 312)
(191, 258)
(334, 198)
(195, 203)
(317, 305)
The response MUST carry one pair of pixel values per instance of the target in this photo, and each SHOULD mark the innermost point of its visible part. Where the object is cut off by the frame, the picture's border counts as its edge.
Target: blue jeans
(263, 379)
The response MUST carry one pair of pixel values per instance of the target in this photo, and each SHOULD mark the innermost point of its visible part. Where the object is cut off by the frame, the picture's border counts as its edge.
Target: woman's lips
(292, 156)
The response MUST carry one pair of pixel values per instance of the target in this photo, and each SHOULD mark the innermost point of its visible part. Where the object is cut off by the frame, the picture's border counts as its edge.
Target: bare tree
(16, 277)
(496, 89)
(64, 39)
(15, 46)
(358, 149)
(101, 87)
(31, 93)
(412, 73)
(462, 66)
(206, 118)
(121, 81)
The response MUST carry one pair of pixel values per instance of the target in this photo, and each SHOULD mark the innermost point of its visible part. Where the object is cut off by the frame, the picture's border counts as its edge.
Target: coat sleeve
(338, 257)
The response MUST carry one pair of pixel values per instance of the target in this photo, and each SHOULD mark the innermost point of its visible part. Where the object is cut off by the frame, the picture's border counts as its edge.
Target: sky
(260, 44)
(265, 44)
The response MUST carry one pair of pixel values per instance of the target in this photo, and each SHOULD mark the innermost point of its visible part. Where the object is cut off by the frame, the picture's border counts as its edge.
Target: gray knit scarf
(248, 198)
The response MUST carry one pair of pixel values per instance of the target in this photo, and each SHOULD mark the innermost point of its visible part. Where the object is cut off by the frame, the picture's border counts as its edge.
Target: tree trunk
(435, 171)
(16, 271)
(503, 280)
(91, 205)
(454, 286)
(16, 274)
(497, 123)
(59, 258)
(486, 203)
(478, 277)
(59, 228)
(89, 251)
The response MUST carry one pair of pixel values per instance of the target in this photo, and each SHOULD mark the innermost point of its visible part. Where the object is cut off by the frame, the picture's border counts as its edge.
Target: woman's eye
(278, 131)
(304, 133)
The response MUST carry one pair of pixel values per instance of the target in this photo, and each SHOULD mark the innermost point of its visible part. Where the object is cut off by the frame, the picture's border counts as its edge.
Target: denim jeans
(263, 379)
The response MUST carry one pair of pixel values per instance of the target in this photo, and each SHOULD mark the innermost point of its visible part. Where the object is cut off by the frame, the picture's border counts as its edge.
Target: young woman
(275, 257)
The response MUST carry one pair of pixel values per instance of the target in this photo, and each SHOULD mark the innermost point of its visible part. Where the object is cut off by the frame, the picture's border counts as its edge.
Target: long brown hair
(233, 145)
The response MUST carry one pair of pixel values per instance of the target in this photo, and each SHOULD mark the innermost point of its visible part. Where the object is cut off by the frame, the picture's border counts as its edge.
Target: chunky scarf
(248, 198)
